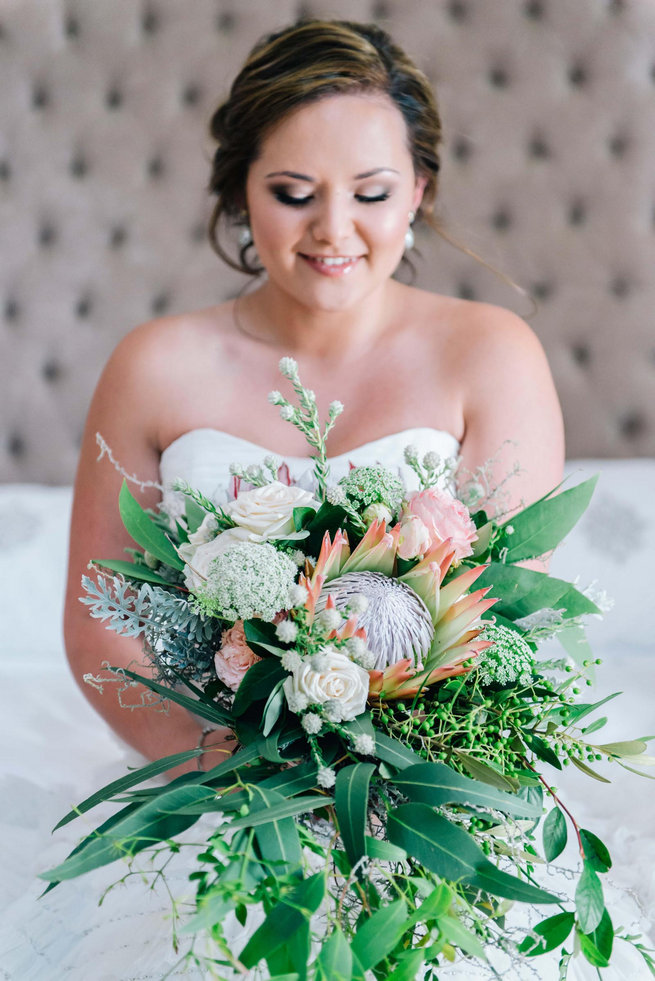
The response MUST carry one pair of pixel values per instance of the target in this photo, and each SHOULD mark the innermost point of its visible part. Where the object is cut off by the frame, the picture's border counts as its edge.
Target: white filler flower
(341, 682)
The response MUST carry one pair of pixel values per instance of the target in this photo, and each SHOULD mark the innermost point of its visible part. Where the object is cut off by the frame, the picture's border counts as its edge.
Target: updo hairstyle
(301, 64)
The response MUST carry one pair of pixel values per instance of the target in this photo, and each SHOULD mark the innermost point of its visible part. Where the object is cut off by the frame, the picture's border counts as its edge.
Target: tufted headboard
(548, 173)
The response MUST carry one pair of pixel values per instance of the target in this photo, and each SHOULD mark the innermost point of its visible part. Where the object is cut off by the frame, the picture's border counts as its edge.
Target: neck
(270, 316)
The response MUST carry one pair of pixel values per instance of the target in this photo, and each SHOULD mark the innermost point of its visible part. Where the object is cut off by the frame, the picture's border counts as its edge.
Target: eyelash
(300, 202)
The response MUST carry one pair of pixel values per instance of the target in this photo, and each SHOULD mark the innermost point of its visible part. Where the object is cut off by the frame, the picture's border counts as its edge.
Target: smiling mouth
(331, 263)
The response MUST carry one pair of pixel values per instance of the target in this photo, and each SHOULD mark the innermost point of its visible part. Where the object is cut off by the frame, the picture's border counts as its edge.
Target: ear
(419, 188)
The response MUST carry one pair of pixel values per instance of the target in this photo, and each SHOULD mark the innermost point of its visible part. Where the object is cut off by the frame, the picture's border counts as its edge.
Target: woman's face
(329, 199)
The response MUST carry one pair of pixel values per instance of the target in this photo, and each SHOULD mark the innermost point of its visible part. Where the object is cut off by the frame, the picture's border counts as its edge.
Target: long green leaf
(278, 839)
(285, 809)
(154, 821)
(595, 851)
(547, 935)
(129, 780)
(394, 752)
(589, 903)
(335, 960)
(451, 853)
(554, 834)
(287, 916)
(379, 934)
(485, 773)
(523, 591)
(144, 531)
(257, 684)
(133, 571)
(437, 783)
(351, 805)
(213, 713)
(540, 527)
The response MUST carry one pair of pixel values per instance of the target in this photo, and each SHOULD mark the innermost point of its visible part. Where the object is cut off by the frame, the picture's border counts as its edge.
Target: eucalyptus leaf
(595, 852)
(132, 570)
(156, 820)
(277, 838)
(522, 591)
(273, 708)
(257, 684)
(595, 725)
(287, 916)
(456, 933)
(540, 527)
(541, 749)
(589, 903)
(408, 966)
(351, 806)
(144, 531)
(450, 852)
(261, 635)
(633, 747)
(283, 809)
(384, 850)
(554, 834)
(547, 935)
(379, 934)
(587, 769)
(394, 752)
(437, 783)
(602, 939)
(335, 960)
(487, 774)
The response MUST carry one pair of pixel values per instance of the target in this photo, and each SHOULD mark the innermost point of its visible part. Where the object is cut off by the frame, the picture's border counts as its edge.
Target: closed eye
(296, 202)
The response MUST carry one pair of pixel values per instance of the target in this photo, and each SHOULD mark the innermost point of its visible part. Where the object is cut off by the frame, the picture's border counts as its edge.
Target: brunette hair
(300, 64)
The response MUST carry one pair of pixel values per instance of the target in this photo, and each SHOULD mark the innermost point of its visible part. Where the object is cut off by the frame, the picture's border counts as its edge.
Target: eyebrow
(311, 180)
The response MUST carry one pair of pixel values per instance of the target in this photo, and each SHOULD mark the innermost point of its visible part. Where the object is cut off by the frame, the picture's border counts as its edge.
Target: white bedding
(55, 750)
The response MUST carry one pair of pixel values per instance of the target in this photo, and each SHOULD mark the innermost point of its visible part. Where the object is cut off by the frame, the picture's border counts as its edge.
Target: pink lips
(330, 269)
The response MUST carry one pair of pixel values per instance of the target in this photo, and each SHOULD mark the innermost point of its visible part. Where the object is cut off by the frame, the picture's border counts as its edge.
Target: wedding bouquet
(389, 803)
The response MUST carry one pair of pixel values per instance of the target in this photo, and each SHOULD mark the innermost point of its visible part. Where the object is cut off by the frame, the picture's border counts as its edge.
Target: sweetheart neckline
(263, 449)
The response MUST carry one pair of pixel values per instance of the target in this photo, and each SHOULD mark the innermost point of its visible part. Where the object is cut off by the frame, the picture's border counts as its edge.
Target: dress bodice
(202, 457)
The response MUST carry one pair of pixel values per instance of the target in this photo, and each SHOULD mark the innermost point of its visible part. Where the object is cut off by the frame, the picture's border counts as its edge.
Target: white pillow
(613, 545)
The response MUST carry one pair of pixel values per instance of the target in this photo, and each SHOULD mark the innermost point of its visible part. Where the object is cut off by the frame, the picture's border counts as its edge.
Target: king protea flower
(419, 630)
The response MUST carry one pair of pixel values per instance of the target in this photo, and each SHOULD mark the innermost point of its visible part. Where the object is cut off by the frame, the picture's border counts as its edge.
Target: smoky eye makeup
(283, 195)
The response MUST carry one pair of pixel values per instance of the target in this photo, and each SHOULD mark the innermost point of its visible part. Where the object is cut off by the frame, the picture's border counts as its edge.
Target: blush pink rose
(444, 516)
(234, 657)
(413, 537)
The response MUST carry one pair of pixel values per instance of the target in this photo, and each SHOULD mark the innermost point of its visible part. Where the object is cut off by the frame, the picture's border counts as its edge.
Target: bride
(327, 157)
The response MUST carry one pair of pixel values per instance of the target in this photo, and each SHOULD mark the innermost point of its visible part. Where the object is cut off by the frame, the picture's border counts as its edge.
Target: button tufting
(632, 425)
(618, 144)
(458, 10)
(616, 6)
(465, 291)
(380, 10)
(5, 170)
(12, 309)
(160, 303)
(40, 97)
(51, 371)
(620, 287)
(114, 98)
(501, 220)
(303, 11)
(155, 167)
(71, 26)
(150, 21)
(47, 235)
(78, 166)
(538, 148)
(226, 21)
(498, 77)
(577, 75)
(191, 95)
(577, 212)
(83, 306)
(117, 237)
(543, 290)
(581, 353)
(16, 445)
(534, 9)
(462, 149)
(198, 232)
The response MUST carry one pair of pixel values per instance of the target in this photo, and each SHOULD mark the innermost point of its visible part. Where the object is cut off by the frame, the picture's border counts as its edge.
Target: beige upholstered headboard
(548, 172)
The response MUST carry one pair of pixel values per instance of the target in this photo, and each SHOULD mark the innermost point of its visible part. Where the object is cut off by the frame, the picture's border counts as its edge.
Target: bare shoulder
(492, 336)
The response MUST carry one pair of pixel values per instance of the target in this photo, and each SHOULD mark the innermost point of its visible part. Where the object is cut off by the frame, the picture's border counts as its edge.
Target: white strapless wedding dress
(66, 935)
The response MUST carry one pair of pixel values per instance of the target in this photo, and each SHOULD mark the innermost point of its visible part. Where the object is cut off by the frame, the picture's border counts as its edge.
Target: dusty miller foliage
(173, 635)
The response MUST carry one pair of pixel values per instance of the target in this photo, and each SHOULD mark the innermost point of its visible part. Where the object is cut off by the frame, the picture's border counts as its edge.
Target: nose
(333, 221)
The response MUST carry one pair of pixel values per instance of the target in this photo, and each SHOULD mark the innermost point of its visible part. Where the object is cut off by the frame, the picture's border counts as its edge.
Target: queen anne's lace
(373, 485)
(509, 660)
(247, 580)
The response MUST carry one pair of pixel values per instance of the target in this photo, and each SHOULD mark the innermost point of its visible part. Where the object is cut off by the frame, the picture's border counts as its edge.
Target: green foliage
(547, 935)
(145, 532)
(351, 805)
(288, 915)
(436, 784)
(554, 834)
(589, 901)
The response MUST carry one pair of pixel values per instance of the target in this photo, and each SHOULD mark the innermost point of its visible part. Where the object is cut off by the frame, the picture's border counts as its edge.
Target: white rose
(267, 512)
(341, 682)
(205, 532)
(198, 558)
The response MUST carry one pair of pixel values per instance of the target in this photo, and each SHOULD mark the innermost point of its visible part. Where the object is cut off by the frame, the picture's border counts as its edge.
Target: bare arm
(512, 413)
(124, 411)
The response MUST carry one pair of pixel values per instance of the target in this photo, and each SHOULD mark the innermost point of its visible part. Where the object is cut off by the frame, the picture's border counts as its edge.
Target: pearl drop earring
(245, 236)
(409, 234)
